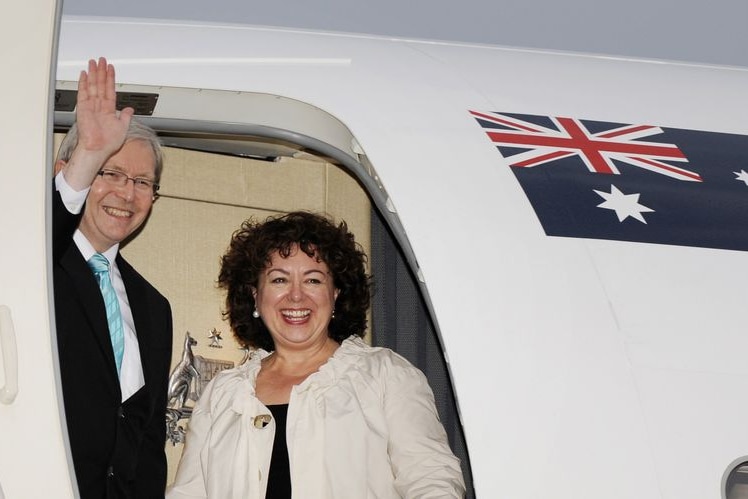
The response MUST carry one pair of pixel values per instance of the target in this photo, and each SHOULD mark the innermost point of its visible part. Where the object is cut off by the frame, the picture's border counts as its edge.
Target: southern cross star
(625, 205)
(742, 176)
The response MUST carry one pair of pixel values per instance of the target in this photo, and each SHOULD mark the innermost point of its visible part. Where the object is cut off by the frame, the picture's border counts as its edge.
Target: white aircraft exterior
(583, 366)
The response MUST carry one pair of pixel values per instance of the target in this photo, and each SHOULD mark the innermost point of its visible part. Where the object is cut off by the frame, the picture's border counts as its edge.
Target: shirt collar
(87, 249)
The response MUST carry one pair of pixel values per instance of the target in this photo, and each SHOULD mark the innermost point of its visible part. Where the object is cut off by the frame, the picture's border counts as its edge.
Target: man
(114, 364)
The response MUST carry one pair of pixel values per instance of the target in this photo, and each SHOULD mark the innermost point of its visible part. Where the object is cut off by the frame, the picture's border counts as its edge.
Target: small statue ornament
(214, 335)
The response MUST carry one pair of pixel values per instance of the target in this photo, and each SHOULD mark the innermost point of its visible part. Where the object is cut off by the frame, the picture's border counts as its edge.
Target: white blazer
(363, 426)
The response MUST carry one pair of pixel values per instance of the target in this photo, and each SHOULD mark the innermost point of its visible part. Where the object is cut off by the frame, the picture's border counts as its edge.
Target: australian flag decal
(625, 182)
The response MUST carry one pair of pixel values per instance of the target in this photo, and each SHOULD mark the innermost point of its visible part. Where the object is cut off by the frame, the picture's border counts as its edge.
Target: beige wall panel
(346, 200)
(244, 182)
(179, 251)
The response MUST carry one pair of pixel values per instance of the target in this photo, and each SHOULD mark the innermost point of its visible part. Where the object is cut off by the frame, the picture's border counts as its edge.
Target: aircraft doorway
(218, 174)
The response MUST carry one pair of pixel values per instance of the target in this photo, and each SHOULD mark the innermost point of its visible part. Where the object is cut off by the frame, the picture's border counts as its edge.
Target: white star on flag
(625, 205)
(742, 176)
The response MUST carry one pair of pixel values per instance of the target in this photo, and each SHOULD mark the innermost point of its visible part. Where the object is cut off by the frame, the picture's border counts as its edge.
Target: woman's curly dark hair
(316, 235)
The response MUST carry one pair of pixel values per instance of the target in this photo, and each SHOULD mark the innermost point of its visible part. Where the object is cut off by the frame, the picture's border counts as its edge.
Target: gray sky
(708, 31)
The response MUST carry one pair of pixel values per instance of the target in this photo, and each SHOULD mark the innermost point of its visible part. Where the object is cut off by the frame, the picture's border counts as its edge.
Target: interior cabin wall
(204, 197)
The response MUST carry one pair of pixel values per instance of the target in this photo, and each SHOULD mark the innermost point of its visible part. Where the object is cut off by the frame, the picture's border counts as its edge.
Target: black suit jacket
(117, 447)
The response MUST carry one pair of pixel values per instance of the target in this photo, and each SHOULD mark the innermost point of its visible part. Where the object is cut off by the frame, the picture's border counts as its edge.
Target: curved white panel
(9, 351)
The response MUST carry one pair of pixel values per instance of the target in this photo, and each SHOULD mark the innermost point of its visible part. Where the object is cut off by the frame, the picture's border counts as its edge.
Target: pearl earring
(333, 314)
(256, 314)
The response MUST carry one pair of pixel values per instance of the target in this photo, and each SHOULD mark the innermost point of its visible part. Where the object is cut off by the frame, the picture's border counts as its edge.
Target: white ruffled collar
(344, 357)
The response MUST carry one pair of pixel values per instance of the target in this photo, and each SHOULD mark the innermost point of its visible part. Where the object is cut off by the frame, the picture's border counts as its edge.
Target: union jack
(542, 145)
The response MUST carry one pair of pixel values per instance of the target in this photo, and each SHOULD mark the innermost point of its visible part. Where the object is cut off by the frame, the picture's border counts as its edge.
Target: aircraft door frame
(34, 442)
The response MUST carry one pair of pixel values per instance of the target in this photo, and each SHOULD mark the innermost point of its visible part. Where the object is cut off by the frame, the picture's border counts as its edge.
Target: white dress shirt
(131, 377)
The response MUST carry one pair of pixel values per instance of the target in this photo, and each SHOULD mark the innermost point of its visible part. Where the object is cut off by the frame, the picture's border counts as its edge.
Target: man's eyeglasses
(142, 185)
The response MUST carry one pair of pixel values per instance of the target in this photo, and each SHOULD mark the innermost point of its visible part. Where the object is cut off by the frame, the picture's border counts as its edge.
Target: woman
(315, 413)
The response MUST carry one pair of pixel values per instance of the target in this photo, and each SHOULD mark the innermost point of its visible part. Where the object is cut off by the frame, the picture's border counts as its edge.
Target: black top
(279, 476)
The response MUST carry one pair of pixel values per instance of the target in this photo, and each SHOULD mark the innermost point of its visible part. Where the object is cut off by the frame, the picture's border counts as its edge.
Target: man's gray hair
(136, 131)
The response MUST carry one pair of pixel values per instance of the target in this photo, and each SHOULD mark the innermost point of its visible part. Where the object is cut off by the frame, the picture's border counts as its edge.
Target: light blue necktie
(100, 266)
